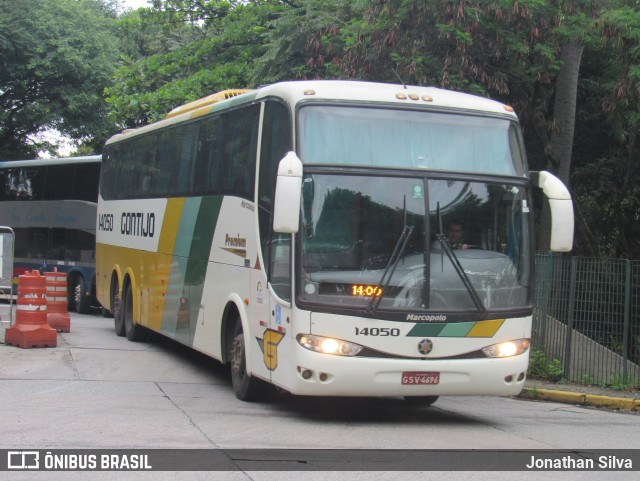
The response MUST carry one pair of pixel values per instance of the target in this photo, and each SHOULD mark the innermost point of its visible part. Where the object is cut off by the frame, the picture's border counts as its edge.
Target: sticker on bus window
(418, 193)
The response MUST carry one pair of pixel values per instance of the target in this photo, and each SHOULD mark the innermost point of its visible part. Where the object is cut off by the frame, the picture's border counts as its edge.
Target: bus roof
(345, 90)
(429, 98)
(5, 164)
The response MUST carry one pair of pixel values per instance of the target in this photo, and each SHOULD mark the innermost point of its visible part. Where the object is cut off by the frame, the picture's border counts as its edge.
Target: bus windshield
(375, 137)
(470, 240)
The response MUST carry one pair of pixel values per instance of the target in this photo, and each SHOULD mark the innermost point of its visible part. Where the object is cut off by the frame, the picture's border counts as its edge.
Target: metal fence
(587, 315)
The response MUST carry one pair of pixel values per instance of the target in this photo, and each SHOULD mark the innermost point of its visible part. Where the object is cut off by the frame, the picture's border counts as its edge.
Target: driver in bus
(455, 235)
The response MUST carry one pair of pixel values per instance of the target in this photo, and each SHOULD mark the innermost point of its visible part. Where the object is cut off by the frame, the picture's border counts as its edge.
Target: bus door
(272, 312)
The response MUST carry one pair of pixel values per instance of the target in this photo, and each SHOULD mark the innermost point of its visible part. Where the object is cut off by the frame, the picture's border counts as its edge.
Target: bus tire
(134, 332)
(116, 308)
(82, 302)
(245, 387)
(421, 400)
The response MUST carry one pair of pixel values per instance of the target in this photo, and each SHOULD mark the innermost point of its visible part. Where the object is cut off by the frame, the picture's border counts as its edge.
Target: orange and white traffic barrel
(57, 313)
(31, 328)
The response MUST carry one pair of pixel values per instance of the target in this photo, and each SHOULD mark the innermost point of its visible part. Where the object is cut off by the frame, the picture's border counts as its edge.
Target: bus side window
(108, 172)
(187, 141)
(23, 184)
(84, 187)
(208, 170)
(241, 130)
(59, 182)
(163, 162)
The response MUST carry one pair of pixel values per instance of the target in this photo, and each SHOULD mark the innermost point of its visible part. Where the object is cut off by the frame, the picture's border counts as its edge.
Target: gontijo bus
(51, 206)
(299, 232)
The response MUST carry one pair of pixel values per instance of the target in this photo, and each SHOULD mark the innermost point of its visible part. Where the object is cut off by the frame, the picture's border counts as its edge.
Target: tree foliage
(607, 148)
(57, 56)
(212, 48)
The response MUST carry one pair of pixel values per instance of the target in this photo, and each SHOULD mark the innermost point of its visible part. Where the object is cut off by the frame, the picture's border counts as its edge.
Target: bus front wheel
(245, 387)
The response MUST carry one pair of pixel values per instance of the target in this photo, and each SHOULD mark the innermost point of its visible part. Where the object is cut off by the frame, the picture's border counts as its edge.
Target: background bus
(51, 206)
(298, 232)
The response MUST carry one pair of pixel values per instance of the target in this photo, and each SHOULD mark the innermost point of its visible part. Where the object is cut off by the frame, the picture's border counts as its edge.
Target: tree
(57, 57)
(607, 137)
(213, 48)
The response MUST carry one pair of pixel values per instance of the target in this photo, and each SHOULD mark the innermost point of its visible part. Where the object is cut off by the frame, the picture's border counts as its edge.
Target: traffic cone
(31, 328)
(57, 313)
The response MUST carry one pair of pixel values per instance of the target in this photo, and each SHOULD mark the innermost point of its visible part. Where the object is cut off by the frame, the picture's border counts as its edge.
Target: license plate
(412, 377)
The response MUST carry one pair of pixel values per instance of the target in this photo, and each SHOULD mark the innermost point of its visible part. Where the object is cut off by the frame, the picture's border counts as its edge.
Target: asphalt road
(95, 390)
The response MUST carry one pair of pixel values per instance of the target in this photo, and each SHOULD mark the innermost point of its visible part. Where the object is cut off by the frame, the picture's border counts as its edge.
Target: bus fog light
(507, 349)
(329, 345)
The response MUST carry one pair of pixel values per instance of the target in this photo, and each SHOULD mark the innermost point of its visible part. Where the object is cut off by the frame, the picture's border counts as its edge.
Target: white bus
(301, 233)
(51, 206)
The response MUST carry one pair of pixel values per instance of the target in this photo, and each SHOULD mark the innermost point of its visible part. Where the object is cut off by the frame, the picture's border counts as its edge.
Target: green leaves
(53, 76)
(216, 52)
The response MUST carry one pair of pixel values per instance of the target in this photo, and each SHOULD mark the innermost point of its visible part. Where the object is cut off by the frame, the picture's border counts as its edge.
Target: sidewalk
(585, 395)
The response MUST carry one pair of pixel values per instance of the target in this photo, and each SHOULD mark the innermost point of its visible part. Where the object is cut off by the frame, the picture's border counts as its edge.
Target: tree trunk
(564, 119)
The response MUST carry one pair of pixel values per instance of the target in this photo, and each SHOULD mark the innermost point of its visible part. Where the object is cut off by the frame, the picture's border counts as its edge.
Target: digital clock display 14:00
(366, 290)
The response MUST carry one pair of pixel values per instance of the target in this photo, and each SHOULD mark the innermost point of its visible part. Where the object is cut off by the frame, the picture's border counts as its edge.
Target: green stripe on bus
(196, 269)
(187, 225)
(457, 329)
(426, 330)
(205, 226)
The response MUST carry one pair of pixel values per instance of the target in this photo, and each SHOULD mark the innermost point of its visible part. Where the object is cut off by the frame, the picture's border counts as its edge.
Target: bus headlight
(507, 349)
(328, 345)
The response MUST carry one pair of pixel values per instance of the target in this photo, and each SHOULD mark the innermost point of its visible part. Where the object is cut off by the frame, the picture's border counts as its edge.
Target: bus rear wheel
(134, 332)
(245, 387)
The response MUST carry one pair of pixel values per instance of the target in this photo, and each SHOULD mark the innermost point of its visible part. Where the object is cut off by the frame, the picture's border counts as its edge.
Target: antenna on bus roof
(403, 84)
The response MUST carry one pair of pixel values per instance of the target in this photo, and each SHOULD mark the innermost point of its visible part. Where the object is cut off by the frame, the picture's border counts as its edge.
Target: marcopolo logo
(426, 318)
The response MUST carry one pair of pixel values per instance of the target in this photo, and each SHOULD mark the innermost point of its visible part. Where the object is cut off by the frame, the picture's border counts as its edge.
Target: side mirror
(286, 210)
(562, 220)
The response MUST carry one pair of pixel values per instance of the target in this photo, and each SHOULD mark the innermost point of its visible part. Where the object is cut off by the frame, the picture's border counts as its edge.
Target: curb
(626, 404)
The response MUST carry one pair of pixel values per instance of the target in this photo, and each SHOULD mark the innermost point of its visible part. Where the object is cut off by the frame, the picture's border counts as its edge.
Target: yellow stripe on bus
(159, 270)
(170, 225)
(485, 328)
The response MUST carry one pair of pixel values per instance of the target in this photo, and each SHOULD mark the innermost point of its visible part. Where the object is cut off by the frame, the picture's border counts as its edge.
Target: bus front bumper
(329, 375)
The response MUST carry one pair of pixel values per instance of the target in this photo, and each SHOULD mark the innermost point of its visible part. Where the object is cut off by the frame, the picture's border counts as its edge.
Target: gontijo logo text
(140, 224)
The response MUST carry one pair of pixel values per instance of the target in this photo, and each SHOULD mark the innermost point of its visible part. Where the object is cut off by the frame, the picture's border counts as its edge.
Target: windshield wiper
(398, 251)
(446, 247)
